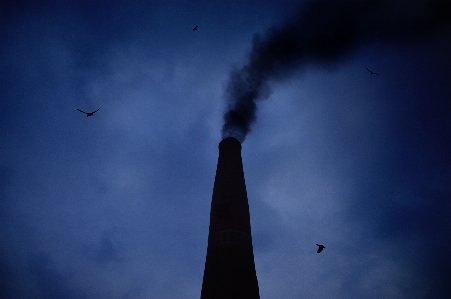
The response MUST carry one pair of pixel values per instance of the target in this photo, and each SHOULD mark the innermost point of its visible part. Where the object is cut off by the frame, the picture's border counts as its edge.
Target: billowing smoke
(322, 32)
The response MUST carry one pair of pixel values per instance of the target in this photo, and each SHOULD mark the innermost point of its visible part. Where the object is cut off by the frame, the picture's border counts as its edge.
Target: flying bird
(195, 28)
(320, 248)
(372, 73)
(89, 113)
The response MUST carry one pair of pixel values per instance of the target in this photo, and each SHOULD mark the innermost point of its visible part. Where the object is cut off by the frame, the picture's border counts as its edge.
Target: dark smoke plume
(321, 33)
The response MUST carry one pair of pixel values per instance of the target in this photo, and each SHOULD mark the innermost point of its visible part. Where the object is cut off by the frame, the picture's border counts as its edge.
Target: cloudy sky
(117, 205)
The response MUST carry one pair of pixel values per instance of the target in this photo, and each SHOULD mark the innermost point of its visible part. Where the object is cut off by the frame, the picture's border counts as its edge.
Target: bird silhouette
(195, 28)
(88, 113)
(372, 73)
(320, 248)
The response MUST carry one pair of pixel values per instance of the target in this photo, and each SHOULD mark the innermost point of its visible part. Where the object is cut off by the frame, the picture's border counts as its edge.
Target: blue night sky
(117, 205)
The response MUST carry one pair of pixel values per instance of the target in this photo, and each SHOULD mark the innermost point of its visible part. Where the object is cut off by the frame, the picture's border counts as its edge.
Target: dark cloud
(323, 32)
(405, 197)
(50, 282)
(7, 284)
(107, 251)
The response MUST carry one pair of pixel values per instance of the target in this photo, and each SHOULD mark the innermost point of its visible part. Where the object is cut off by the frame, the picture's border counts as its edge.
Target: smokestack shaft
(229, 266)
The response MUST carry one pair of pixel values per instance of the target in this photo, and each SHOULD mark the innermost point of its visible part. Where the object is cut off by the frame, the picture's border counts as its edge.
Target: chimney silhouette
(229, 267)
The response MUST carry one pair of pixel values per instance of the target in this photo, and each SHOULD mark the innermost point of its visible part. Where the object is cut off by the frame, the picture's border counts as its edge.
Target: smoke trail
(322, 32)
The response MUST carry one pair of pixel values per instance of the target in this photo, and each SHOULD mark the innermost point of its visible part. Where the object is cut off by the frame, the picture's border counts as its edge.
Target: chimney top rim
(230, 141)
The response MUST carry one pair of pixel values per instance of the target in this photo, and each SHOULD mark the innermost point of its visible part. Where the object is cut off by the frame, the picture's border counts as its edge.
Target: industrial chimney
(229, 267)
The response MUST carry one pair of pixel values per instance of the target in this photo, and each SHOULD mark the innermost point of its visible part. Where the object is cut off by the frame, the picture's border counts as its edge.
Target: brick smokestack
(229, 267)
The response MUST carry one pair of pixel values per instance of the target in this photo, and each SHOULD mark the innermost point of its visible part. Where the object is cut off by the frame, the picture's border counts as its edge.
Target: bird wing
(320, 247)
(95, 111)
(82, 111)
(372, 73)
